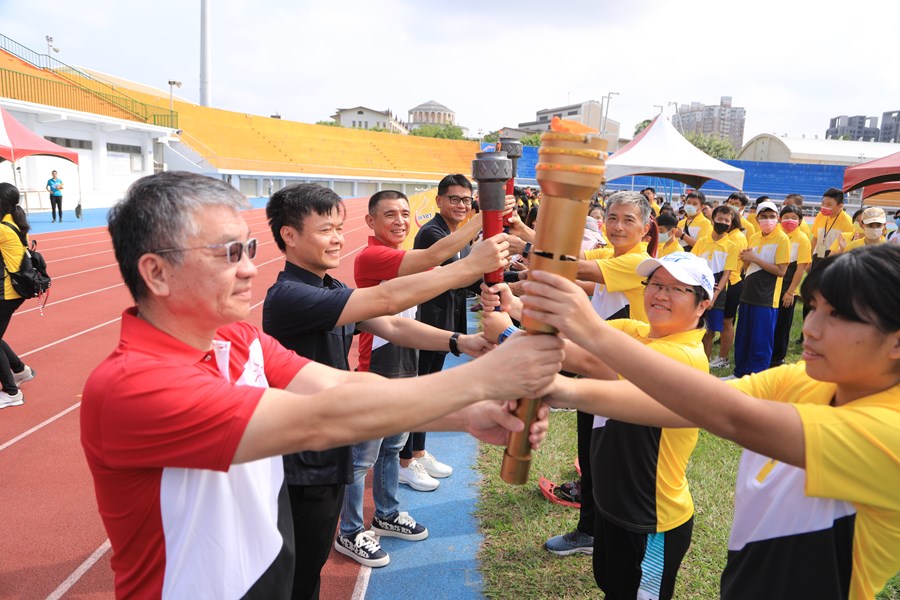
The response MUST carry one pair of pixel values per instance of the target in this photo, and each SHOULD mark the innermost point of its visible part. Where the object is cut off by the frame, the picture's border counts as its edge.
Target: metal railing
(107, 94)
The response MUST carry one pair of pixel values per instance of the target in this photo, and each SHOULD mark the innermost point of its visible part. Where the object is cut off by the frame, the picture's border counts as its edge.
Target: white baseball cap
(766, 206)
(685, 267)
(873, 214)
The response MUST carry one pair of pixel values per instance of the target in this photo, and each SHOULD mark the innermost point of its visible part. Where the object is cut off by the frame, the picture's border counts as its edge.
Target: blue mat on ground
(444, 566)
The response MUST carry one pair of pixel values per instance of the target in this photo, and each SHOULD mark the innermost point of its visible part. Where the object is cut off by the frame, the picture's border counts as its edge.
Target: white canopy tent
(660, 151)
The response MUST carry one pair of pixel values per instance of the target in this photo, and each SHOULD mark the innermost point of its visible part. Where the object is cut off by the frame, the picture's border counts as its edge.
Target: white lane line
(362, 583)
(22, 312)
(83, 568)
(39, 426)
(69, 337)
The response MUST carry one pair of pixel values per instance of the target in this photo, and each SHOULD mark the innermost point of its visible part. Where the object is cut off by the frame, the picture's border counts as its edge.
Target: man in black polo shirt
(446, 311)
(316, 316)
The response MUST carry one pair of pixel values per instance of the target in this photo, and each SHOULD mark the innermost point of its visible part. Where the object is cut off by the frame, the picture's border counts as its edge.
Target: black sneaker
(363, 548)
(400, 526)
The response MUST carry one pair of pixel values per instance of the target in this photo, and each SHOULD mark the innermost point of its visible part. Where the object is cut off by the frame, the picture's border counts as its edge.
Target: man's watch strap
(454, 346)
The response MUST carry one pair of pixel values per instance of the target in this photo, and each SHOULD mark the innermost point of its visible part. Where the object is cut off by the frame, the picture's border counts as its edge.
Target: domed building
(431, 113)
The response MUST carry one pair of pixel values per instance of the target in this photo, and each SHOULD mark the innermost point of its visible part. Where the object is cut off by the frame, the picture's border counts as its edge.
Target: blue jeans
(384, 455)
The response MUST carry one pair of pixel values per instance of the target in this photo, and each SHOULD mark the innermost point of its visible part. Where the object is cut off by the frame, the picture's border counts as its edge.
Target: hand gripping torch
(492, 170)
(570, 169)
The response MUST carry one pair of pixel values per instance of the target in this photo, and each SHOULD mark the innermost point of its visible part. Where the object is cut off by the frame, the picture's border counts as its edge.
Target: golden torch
(570, 169)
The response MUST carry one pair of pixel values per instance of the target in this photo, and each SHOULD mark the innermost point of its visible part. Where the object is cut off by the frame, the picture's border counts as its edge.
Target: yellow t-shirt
(622, 293)
(740, 240)
(849, 236)
(849, 486)
(826, 230)
(697, 227)
(761, 288)
(642, 469)
(668, 248)
(801, 254)
(860, 243)
(750, 227)
(12, 252)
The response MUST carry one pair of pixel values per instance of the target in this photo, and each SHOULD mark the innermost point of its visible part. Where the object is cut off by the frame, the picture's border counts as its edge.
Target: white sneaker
(11, 400)
(417, 478)
(718, 363)
(27, 374)
(434, 467)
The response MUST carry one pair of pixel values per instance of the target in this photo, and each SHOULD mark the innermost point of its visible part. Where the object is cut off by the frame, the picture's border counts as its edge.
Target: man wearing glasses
(446, 311)
(184, 424)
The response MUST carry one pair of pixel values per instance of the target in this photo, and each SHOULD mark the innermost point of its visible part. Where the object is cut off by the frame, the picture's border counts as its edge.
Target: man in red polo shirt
(183, 426)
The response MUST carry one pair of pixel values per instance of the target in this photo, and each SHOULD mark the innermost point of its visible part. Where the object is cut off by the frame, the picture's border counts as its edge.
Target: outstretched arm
(325, 408)
(396, 295)
(422, 259)
(770, 428)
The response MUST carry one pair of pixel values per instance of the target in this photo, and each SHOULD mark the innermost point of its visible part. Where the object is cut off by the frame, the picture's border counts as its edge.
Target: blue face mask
(897, 221)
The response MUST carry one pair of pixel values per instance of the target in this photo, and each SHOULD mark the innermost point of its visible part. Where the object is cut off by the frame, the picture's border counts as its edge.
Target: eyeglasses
(454, 200)
(234, 251)
(656, 287)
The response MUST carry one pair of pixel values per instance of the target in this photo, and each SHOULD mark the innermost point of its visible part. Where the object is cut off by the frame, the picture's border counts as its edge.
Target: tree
(329, 123)
(493, 136)
(641, 126)
(444, 131)
(713, 145)
(531, 140)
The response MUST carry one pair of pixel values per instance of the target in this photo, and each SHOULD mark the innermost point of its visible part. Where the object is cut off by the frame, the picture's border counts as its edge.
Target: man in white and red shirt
(381, 261)
(183, 427)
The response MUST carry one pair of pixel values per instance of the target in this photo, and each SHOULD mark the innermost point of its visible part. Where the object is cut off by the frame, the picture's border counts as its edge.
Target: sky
(792, 64)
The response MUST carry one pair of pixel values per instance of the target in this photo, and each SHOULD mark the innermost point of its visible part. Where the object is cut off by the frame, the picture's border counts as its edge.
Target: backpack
(31, 280)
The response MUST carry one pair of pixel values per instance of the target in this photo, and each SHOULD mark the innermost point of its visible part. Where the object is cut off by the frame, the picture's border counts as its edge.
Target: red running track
(52, 542)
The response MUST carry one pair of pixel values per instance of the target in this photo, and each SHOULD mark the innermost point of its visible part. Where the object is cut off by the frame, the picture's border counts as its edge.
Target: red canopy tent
(18, 142)
(880, 170)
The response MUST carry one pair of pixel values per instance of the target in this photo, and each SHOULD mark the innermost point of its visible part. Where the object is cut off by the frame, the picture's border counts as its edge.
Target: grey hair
(629, 198)
(158, 213)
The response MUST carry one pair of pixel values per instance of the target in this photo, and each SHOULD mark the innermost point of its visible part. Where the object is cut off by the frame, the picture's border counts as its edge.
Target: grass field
(517, 520)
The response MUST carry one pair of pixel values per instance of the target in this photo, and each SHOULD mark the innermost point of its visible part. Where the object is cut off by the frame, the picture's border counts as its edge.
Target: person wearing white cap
(644, 518)
(816, 508)
(766, 260)
(873, 223)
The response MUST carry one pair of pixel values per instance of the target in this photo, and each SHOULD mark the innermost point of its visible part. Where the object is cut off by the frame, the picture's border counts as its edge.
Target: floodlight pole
(606, 113)
(172, 84)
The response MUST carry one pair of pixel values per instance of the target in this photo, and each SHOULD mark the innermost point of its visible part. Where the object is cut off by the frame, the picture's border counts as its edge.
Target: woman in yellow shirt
(13, 372)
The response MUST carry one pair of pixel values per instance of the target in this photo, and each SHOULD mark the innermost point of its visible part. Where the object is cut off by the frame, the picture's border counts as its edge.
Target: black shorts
(733, 298)
(625, 562)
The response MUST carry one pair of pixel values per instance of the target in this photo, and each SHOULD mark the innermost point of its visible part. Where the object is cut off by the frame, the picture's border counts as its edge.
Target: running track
(52, 542)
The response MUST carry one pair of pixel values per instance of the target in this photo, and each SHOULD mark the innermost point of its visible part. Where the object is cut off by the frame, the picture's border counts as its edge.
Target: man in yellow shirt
(766, 260)
(694, 225)
(873, 222)
(739, 201)
(668, 243)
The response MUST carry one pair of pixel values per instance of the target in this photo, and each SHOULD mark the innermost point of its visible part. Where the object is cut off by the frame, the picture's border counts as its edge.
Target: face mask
(897, 221)
(690, 210)
(857, 228)
(873, 233)
(826, 211)
(720, 228)
(790, 226)
(664, 237)
(767, 225)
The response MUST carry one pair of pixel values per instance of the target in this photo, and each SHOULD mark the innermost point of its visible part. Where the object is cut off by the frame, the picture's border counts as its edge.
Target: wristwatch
(454, 347)
(526, 250)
